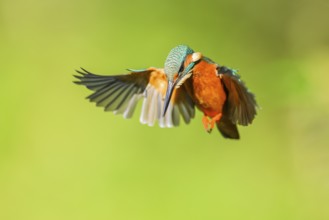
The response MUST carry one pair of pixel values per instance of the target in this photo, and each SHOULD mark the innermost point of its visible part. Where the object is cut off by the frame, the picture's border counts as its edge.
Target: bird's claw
(205, 122)
(209, 124)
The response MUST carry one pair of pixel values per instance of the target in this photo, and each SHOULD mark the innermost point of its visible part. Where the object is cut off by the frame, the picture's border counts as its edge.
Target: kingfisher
(188, 80)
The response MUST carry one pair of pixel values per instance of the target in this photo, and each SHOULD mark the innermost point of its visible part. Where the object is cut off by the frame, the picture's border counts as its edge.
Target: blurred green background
(63, 158)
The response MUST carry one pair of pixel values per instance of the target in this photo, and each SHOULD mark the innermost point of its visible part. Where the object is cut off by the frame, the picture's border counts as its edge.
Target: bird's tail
(227, 128)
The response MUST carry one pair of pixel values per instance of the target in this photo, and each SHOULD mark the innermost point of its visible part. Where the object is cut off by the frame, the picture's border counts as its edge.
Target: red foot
(214, 119)
(205, 122)
(210, 124)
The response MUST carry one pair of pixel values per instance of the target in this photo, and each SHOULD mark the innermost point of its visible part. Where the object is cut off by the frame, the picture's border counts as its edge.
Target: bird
(188, 80)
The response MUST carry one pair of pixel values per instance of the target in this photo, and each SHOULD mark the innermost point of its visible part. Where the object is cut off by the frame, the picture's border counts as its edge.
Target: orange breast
(206, 88)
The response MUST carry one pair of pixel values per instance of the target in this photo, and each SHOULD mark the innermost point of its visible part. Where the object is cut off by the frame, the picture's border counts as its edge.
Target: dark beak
(172, 85)
(170, 89)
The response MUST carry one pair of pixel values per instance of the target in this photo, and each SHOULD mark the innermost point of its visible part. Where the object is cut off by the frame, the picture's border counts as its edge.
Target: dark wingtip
(230, 136)
(78, 77)
(86, 71)
(80, 72)
(227, 128)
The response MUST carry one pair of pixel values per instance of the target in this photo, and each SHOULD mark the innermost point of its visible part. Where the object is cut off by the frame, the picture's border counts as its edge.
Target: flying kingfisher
(188, 79)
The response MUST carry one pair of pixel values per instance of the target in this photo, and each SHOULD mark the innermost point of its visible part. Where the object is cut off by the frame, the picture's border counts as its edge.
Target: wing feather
(120, 94)
(128, 93)
(241, 103)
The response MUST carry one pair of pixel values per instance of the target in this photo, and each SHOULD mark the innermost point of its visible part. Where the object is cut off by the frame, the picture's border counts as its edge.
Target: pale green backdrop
(63, 158)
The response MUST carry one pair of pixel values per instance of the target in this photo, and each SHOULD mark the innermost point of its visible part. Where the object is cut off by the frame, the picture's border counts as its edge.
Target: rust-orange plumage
(188, 79)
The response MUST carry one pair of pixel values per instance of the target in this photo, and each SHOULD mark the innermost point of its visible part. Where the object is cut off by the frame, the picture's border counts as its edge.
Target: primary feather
(120, 94)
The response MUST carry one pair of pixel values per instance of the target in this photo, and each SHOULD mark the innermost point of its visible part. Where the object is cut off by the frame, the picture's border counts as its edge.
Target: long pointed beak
(172, 85)
(170, 89)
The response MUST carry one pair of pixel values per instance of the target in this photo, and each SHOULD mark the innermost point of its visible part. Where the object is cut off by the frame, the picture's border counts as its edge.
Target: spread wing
(241, 104)
(121, 93)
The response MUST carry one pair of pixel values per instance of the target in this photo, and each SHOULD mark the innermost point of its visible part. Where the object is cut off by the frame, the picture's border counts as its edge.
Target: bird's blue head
(175, 69)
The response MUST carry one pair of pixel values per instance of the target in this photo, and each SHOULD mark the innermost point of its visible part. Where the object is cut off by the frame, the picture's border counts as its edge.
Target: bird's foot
(209, 124)
(206, 123)
(214, 119)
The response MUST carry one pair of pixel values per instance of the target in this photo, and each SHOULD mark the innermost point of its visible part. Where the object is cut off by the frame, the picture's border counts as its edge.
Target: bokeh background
(63, 158)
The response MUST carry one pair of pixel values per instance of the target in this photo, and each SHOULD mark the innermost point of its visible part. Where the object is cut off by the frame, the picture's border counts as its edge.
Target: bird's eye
(224, 69)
